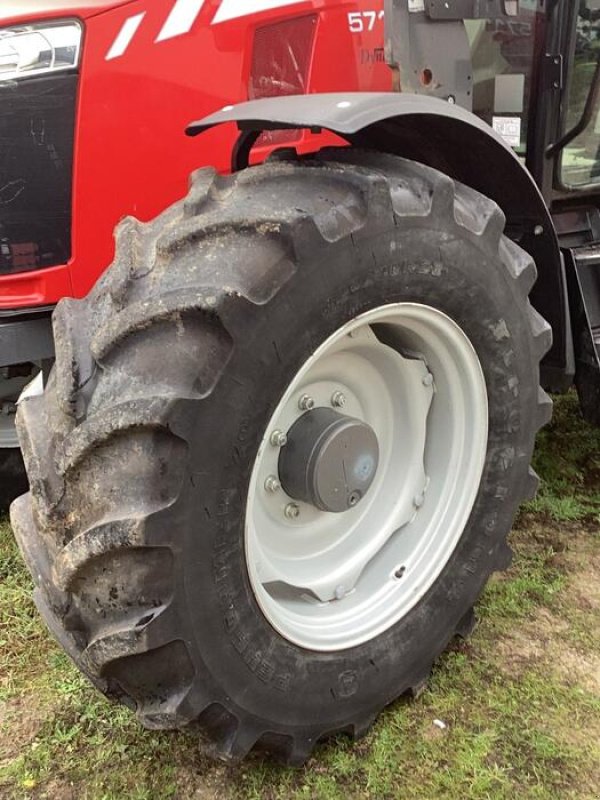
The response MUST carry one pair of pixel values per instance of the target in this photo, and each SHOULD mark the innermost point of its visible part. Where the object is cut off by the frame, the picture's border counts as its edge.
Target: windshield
(581, 158)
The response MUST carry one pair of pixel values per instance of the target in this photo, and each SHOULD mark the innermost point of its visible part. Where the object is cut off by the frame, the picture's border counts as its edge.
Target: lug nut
(428, 379)
(306, 403)
(338, 400)
(292, 511)
(272, 484)
(278, 439)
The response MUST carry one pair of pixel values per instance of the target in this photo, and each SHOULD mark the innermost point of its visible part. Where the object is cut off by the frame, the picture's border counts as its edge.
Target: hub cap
(329, 460)
(356, 505)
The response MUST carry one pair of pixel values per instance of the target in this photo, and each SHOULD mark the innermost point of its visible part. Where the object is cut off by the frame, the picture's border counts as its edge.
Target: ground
(514, 712)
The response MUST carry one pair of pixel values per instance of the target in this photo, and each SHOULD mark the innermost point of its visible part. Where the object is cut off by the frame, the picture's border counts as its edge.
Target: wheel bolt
(338, 400)
(428, 379)
(292, 511)
(306, 403)
(272, 484)
(278, 439)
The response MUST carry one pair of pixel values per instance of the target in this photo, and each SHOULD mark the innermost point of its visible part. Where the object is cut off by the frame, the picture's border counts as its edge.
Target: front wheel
(292, 426)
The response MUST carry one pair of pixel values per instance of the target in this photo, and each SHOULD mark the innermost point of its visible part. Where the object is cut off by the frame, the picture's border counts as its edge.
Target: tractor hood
(16, 11)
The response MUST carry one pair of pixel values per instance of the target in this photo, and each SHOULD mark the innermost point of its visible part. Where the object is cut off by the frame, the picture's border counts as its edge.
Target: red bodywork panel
(14, 12)
(131, 154)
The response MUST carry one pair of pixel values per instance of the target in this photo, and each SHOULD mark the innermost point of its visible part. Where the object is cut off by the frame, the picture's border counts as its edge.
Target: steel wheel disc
(330, 581)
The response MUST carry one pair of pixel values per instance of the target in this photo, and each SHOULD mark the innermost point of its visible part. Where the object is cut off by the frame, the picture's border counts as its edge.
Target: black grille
(37, 119)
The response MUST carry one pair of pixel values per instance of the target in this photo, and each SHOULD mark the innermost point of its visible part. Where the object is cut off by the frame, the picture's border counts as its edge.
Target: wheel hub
(330, 460)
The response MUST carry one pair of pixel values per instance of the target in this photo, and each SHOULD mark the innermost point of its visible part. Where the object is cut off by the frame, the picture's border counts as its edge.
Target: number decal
(361, 21)
(355, 22)
(371, 16)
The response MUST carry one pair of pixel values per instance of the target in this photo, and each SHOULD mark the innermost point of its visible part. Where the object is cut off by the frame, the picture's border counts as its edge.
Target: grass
(568, 460)
(512, 713)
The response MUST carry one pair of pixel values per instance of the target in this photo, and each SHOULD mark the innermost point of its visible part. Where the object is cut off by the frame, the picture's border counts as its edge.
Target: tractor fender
(439, 134)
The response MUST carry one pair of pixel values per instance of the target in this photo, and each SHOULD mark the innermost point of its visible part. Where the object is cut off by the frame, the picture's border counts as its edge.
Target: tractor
(275, 449)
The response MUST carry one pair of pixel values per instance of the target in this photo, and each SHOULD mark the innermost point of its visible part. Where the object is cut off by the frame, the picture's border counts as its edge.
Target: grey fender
(441, 135)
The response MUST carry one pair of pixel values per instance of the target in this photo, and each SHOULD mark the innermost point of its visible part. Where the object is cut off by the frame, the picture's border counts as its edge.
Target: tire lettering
(240, 641)
(347, 684)
(426, 268)
(225, 501)
(266, 671)
(472, 565)
(505, 458)
(244, 431)
(490, 524)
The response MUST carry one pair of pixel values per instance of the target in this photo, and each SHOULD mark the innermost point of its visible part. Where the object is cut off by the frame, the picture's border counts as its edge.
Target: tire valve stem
(292, 511)
(339, 592)
(418, 500)
(428, 379)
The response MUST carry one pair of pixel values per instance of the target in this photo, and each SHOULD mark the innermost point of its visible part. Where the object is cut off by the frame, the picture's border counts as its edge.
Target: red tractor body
(145, 71)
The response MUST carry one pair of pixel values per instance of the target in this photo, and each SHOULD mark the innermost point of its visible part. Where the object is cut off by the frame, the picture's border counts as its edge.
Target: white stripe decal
(231, 9)
(183, 15)
(125, 36)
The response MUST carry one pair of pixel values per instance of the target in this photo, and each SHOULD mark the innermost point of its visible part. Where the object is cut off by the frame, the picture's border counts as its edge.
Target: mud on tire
(140, 452)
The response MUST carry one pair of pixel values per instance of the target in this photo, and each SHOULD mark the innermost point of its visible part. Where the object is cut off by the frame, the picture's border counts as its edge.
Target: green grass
(520, 700)
(568, 461)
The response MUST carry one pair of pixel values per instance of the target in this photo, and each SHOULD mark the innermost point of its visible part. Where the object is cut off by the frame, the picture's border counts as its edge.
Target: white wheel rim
(328, 581)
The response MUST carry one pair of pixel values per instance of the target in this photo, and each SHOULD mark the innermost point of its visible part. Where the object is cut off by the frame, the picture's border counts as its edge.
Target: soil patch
(544, 640)
(20, 721)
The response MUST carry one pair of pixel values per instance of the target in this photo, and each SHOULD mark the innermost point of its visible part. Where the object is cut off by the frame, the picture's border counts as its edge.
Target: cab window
(580, 164)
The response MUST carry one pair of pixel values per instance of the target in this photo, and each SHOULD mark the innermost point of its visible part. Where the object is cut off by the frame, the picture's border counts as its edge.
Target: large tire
(165, 382)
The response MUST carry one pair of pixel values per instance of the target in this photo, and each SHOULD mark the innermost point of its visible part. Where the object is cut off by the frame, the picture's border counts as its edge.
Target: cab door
(577, 198)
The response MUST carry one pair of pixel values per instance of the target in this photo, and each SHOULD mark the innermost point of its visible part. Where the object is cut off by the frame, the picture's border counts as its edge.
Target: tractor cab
(531, 70)
(576, 195)
(528, 69)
